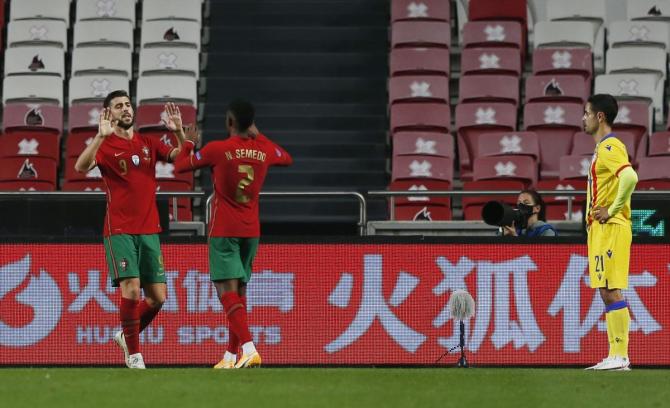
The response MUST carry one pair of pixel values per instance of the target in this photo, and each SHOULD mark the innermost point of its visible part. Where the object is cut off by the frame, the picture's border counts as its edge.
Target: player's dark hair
(243, 112)
(606, 104)
(537, 199)
(114, 94)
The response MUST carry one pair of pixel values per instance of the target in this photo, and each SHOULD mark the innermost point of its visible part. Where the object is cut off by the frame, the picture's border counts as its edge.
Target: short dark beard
(124, 126)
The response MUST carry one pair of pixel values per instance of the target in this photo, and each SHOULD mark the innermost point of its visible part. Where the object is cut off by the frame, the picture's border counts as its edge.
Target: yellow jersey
(609, 158)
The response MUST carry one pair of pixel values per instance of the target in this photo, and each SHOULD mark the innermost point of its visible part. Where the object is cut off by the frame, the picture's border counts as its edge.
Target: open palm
(105, 127)
(172, 118)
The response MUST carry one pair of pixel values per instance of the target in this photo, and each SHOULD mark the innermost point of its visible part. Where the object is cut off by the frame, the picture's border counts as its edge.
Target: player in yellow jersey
(611, 182)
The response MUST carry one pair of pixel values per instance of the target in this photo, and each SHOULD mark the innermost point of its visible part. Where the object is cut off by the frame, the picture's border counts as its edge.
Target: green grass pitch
(332, 387)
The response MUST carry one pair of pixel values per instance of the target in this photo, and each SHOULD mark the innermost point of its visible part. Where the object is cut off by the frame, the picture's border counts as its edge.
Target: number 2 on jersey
(247, 178)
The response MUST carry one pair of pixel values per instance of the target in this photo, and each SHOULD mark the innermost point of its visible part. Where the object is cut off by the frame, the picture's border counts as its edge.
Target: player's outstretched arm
(186, 160)
(86, 160)
(174, 123)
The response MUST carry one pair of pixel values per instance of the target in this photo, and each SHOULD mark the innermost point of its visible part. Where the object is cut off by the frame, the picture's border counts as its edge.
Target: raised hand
(172, 118)
(192, 133)
(105, 127)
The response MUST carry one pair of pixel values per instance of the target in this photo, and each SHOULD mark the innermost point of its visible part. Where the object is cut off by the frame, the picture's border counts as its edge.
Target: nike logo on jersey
(118, 154)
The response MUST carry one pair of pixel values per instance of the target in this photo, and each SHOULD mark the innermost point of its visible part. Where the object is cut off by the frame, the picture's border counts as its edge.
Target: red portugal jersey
(239, 166)
(128, 169)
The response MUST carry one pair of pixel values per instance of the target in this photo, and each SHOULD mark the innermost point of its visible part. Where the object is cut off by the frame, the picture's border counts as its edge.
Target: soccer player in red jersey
(127, 163)
(239, 165)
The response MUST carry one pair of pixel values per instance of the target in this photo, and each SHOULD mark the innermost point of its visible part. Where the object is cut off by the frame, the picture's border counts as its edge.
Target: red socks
(233, 340)
(147, 314)
(237, 317)
(129, 312)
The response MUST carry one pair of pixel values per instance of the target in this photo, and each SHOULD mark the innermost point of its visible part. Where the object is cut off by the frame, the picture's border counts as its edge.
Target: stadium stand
(321, 92)
(420, 61)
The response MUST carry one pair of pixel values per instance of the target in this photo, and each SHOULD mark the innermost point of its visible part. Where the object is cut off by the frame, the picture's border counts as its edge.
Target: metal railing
(568, 194)
(362, 203)
(79, 194)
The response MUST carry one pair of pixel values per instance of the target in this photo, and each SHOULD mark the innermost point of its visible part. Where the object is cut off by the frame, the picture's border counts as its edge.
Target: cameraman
(534, 209)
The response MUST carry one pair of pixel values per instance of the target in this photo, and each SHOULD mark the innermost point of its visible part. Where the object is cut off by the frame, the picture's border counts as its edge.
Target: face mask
(525, 209)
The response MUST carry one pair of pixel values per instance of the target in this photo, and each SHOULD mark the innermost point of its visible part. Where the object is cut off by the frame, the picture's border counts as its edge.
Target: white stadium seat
(106, 10)
(170, 61)
(32, 89)
(109, 60)
(40, 9)
(34, 60)
(172, 10)
(164, 33)
(94, 88)
(162, 88)
(645, 87)
(637, 60)
(639, 33)
(115, 33)
(37, 32)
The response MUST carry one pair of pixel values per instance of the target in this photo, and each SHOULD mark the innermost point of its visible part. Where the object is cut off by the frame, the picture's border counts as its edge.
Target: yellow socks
(618, 322)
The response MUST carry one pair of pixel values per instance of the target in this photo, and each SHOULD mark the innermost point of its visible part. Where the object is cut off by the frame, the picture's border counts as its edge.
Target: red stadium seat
(491, 61)
(419, 61)
(419, 89)
(165, 172)
(508, 143)
(473, 119)
(653, 185)
(183, 213)
(150, 116)
(71, 174)
(659, 144)
(184, 210)
(570, 184)
(634, 117)
(493, 34)
(84, 117)
(26, 186)
(422, 213)
(434, 117)
(422, 167)
(412, 34)
(563, 61)
(83, 185)
(30, 144)
(555, 125)
(472, 205)
(37, 170)
(508, 167)
(654, 168)
(75, 143)
(488, 88)
(421, 208)
(420, 185)
(428, 143)
(501, 10)
(574, 167)
(413, 10)
(32, 117)
(557, 88)
(168, 138)
(514, 10)
(583, 144)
